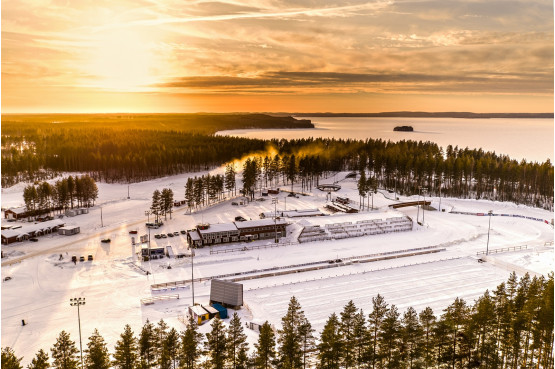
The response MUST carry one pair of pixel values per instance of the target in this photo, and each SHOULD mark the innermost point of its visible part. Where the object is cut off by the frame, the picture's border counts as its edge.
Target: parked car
(240, 219)
(90, 258)
(291, 194)
(33, 239)
(7, 279)
(81, 258)
(105, 240)
(183, 231)
(234, 203)
(133, 232)
(157, 236)
(170, 234)
(338, 260)
(176, 233)
(163, 235)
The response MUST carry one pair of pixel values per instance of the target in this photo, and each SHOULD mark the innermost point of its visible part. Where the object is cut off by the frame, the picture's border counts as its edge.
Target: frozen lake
(530, 139)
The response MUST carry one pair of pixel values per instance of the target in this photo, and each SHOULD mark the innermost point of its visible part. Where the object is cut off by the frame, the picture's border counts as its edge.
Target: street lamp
(147, 213)
(78, 302)
(489, 226)
(275, 201)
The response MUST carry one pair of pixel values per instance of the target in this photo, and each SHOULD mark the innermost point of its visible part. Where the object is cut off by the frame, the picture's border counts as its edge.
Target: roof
(259, 223)
(218, 307)
(30, 228)
(18, 210)
(69, 228)
(194, 235)
(198, 310)
(210, 309)
(218, 227)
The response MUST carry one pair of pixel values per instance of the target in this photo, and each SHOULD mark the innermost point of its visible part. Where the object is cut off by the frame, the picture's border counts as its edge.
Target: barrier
(153, 299)
(504, 249)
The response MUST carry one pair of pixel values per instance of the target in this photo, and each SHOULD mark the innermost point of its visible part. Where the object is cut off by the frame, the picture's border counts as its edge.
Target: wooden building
(16, 213)
(213, 234)
(198, 314)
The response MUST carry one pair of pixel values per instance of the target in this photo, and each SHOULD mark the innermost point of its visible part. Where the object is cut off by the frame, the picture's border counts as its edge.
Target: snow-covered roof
(30, 228)
(210, 309)
(352, 218)
(198, 310)
(194, 235)
(18, 210)
(259, 223)
(69, 228)
(219, 227)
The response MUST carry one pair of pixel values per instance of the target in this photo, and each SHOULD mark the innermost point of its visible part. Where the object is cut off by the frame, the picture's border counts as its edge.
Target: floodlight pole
(147, 213)
(275, 201)
(489, 226)
(101, 221)
(78, 302)
(192, 280)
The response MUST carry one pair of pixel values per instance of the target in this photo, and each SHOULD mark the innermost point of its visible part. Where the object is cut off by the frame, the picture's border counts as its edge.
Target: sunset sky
(276, 56)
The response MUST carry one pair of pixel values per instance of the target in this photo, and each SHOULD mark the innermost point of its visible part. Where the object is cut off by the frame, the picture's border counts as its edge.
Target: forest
(133, 148)
(508, 328)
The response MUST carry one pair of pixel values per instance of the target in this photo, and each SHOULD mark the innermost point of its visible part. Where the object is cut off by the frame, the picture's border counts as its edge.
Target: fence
(153, 299)
(248, 248)
(280, 270)
(504, 249)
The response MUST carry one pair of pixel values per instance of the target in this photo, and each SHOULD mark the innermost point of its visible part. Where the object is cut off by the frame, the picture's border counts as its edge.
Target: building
(295, 213)
(69, 230)
(27, 231)
(16, 213)
(222, 311)
(212, 312)
(225, 293)
(261, 229)
(198, 314)
(213, 234)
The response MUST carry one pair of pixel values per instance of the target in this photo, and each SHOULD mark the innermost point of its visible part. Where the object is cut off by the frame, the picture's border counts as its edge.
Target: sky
(89, 56)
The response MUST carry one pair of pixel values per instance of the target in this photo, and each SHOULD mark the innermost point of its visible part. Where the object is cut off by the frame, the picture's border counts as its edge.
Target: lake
(530, 139)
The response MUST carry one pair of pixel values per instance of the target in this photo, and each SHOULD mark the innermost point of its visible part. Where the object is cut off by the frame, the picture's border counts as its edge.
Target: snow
(115, 282)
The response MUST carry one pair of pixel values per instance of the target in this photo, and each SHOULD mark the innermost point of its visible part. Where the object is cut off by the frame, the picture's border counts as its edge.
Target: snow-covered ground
(113, 284)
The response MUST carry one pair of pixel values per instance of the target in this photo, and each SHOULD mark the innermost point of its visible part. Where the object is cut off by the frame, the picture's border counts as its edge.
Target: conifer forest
(110, 150)
(508, 328)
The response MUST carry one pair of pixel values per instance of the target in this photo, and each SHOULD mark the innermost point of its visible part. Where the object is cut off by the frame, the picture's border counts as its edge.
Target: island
(404, 128)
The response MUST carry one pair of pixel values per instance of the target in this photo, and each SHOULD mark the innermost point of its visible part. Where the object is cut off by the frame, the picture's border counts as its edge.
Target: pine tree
(229, 177)
(189, 193)
(236, 339)
(265, 347)
(40, 361)
(9, 360)
(307, 339)
(162, 356)
(171, 346)
(147, 347)
(390, 337)
(347, 326)
(455, 317)
(190, 346)
(359, 339)
(97, 356)
(427, 322)
(361, 186)
(155, 206)
(216, 344)
(64, 352)
(290, 341)
(125, 355)
(375, 321)
(411, 336)
(331, 344)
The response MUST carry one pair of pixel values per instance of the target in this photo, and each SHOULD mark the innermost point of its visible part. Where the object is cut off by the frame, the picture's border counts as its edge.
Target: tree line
(510, 328)
(63, 194)
(124, 153)
(125, 148)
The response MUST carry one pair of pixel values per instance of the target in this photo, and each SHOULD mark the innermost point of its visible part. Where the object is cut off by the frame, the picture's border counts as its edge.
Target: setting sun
(121, 60)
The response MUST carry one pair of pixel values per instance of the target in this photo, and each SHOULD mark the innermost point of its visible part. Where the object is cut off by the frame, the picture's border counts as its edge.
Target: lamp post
(101, 221)
(78, 302)
(420, 188)
(192, 280)
(489, 226)
(275, 201)
(147, 213)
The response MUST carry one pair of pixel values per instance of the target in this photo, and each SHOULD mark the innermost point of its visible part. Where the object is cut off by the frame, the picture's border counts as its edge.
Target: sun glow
(122, 61)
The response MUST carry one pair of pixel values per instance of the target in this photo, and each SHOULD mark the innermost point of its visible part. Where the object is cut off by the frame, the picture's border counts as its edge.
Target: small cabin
(222, 311)
(69, 231)
(212, 312)
(198, 314)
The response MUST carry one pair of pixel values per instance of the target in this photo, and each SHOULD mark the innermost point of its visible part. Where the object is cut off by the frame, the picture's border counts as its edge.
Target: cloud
(306, 82)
